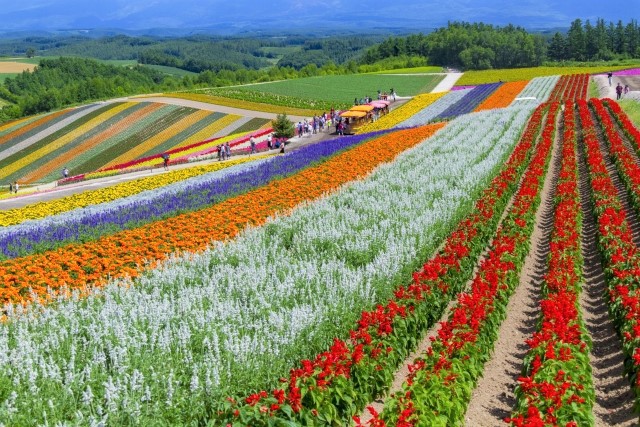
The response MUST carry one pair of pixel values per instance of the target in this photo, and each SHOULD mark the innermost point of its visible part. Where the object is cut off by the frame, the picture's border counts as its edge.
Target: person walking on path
(165, 161)
(270, 142)
(626, 89)
(10, 187)
(16, 186)
(65, 172)
(227, 149)
(610, 76)
(252, 142)
(282, 147)
(619, 91)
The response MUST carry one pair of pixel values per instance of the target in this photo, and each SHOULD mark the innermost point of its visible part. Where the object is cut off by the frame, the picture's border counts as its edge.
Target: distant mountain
(168, 17)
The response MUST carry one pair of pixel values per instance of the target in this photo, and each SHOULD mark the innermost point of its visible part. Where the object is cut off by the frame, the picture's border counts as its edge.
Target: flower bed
(429, 113)
(503, 96)
(450, 368)
(469, 102)
(557, 388)
(125, 189)
(328, 235)
(571, 87)
(402, 113)
(129, 252)
(621, 260)
(539, 88)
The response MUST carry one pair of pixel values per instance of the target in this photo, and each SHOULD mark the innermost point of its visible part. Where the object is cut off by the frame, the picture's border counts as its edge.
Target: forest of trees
(60, 82)
(602, 41)
(467, 46)
(480, 46)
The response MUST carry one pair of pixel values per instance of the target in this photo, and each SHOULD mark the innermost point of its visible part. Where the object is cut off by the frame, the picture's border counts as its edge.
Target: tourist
(282, 147)
(165, 161)
(618, 91)
(270, 141)
(626, 89)
(610, 76)
(16, 187)
(10, 187)
(227, 149)
(252, 142)
(65, 172)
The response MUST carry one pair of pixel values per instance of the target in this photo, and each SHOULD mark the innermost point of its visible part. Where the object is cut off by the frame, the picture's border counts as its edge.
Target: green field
(4, 76)
(414, 70)
(632, 108)
(172, 71)
(344, 88)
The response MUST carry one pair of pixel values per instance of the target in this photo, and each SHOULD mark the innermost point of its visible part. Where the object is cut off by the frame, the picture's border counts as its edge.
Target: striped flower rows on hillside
(571, 87)
(13, 133)
(429, 113)
(539, 89)
(557, 387)
(169, 127)
(129, 252)
(398, 115)
(336, 385)
(191, 194)
(334, 258)
(469, 102)
(621, 260)
(50, 165)
(452, 365)
(29, 141)
(160, 116)
(125, 189)
(31, 159)
(14, 125)
(503, 96)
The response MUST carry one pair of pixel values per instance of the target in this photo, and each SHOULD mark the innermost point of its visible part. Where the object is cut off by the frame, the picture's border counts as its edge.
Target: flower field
(111, 134)
(480, 270)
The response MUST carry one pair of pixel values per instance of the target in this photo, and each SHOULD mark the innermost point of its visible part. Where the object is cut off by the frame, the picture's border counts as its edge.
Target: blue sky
(143, 14)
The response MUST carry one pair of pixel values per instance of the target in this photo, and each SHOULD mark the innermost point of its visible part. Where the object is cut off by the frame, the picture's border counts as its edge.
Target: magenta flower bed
(623, 73)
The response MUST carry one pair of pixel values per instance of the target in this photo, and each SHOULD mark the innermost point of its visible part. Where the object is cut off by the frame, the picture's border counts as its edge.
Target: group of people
(224, 151)
(314, 125)
(391, 96)
(620, 90)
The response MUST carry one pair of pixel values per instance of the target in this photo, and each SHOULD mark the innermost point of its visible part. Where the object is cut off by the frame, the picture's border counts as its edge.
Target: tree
(576, 42)
(282, 126)
(31, 52)
(557, 48)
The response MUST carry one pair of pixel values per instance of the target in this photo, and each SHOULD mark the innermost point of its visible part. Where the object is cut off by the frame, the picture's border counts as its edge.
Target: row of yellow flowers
(129, 252)
(64, 140)
(413, 106)
(516, 74)
(44, 209)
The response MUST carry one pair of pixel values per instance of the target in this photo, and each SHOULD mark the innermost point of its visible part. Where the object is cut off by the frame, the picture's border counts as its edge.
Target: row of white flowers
(240, 314)
(433, 110)
(539, 88)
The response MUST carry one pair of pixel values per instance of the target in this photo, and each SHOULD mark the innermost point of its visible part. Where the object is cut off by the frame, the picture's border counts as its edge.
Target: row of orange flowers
(129, 252)
(503, 96)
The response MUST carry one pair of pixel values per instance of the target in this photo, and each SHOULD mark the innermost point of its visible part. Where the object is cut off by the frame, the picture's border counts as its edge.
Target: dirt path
(614, 399)
(493, 398)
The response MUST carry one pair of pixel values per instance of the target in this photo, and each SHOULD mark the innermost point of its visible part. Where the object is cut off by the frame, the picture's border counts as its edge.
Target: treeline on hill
(481, 46)
(468, 46)
(588, 42)
(60, 82)
(200, 52)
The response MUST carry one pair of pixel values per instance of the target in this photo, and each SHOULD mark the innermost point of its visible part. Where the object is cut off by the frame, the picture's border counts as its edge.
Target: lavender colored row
(91, 223)
(469, 102)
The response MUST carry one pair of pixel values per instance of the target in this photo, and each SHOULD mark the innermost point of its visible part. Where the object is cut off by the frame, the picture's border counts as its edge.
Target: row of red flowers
(570, 87)
(557, 388)
(621, 255)
(338, 383)
(440, 383)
